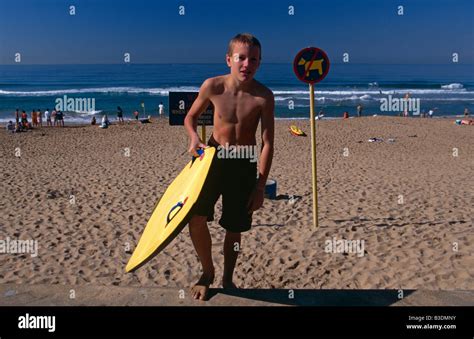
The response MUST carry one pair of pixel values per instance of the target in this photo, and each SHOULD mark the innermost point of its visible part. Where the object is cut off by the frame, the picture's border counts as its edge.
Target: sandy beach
(85, 194)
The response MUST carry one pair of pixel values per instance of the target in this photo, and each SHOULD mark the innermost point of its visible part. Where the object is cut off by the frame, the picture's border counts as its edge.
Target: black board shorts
(235, 180)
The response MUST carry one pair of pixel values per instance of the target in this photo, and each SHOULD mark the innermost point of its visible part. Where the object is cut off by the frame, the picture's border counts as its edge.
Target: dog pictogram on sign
(311, 65)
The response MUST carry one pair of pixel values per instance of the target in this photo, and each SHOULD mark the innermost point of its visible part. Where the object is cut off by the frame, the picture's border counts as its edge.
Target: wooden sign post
(311, 65)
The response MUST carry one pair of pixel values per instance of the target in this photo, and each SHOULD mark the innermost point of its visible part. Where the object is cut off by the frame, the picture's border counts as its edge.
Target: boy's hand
(256, 200)
(194, 145)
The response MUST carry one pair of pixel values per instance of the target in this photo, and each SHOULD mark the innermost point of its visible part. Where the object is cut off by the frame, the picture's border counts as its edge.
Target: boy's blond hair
(246, 39)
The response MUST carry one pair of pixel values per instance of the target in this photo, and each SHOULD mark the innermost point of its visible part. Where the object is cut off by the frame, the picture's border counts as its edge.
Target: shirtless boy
(240, 103)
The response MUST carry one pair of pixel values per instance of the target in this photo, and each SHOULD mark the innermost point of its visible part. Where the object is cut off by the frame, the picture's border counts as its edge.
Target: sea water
(446, 89)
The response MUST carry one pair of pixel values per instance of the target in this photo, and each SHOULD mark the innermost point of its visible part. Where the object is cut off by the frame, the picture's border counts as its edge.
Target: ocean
(447, 89)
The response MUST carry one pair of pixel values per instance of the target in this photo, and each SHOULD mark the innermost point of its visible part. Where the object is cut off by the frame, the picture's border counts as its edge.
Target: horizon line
(220, 63)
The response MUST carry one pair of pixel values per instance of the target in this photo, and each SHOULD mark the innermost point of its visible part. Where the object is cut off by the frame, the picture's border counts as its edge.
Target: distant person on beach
(34, 118)
(24, 120)
(120, 115)
(17, 116)
(40, 118)
(53, 116)
(161, 108)
(47, 117)
(359, 110)
(466, 112)
(60, 118)
(93, 121)
(346, 115)
(10, 127)
(320, 114)
(105, 121)
(240, 103)
(136, 114)
(430, 113)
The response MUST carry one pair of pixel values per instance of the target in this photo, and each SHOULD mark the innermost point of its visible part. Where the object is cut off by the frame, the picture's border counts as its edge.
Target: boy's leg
(202, 243)
(203, 211)
(231, 252)
(235, 214)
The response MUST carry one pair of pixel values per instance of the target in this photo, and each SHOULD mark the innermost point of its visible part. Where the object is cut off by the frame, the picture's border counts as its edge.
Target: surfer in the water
(240, 103)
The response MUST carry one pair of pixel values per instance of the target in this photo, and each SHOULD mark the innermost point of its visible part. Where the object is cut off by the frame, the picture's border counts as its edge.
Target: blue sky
(371, 31)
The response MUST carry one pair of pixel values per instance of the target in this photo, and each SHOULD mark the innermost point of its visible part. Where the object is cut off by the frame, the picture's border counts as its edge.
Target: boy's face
(244, 61)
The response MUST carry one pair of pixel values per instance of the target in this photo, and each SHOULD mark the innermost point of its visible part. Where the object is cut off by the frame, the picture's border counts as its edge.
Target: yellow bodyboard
(296, 131)
(171, 214)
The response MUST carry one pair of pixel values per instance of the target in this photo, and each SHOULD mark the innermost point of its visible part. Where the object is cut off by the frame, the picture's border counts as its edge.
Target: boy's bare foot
(201, 289)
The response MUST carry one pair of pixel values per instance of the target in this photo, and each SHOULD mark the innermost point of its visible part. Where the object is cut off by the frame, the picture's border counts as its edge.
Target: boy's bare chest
(236, 108)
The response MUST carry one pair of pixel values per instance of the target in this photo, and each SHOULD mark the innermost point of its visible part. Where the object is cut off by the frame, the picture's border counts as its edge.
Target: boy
(240, 102)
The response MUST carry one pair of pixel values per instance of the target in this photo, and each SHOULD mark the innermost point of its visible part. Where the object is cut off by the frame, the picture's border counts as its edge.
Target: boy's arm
(266, 155)
(190, 122)
(268, 132)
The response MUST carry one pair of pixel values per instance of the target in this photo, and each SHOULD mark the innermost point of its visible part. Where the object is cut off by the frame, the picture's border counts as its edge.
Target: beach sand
(86, 202)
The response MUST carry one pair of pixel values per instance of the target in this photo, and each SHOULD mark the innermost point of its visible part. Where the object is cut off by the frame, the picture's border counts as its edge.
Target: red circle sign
(311, 65)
